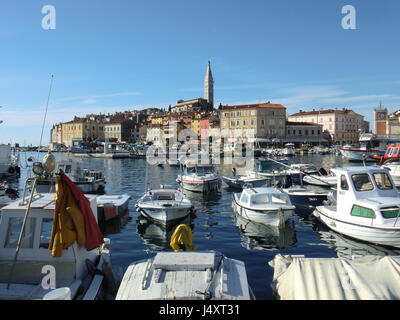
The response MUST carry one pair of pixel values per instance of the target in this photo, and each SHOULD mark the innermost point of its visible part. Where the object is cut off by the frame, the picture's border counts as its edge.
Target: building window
(299, 131)
(288, 132)
(306, 132)
(262, 122)
(312, 132)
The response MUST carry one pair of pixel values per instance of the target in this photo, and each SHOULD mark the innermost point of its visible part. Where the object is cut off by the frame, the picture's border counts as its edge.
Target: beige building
(121, 130)
(81, 129)
(266, 119)
(56, 134)
(304, 133)
(343, 125)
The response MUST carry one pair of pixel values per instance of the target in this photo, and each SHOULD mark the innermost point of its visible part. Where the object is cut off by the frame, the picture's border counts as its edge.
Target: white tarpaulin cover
(365, 278)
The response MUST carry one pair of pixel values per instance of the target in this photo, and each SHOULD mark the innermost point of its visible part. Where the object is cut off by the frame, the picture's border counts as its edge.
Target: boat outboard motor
(323, 172)
(287, 181)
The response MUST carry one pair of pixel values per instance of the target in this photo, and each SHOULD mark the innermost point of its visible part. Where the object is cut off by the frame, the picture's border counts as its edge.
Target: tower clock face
(381, 116)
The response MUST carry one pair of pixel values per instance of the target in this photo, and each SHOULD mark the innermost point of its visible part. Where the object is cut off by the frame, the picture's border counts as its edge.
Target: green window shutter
(362, 212)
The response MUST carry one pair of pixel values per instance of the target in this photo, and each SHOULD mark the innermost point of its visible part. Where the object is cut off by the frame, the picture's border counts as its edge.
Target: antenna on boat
(45, 113)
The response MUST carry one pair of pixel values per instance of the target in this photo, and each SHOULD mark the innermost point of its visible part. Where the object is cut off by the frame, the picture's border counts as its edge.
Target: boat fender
(11, 170)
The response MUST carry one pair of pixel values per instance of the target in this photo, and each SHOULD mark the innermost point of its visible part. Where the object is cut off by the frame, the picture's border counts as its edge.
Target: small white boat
(88, 181)
(289, 150)
(367, 206)
(268, 206)
(297, 171)
(322, 180)
(186, 276)
(250, 178)
(199, 178)
(112, 206)
(164, 205)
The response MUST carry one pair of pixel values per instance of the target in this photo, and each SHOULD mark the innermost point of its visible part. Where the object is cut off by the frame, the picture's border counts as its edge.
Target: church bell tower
(209, 86)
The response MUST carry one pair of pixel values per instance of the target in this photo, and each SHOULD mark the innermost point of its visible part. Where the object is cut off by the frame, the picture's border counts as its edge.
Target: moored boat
(367, 206)
(112, 206)
(268, 206)
(250, 179)
(164, 205)
(199, 178)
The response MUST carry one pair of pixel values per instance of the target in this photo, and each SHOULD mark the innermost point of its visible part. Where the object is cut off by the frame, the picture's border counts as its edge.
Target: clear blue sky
(128, 54)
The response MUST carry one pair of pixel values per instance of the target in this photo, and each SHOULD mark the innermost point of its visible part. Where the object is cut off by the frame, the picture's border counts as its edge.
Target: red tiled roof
(326, 111)
(257, 105)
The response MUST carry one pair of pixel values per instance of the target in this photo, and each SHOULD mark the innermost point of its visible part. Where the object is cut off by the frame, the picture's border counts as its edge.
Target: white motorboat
(268, 206)
(78, 273)
(367, 206)
(250, 178)
(164, 205)
(186, 276)
(199, 178)
(9, 161)
(289, 150)
(88, 181)
(112, 206)
(322, 179)
(297, 171)
(370, 145)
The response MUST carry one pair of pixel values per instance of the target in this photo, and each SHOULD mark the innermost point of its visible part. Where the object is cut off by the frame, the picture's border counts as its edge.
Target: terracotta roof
(257, 105)
(326, 111)
(293, 123)
(117, 121)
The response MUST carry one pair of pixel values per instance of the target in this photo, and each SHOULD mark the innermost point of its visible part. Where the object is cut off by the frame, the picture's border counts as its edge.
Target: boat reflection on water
(257, 236)
(349, 248)
(115, 225)
(156, 235)
(208, 198)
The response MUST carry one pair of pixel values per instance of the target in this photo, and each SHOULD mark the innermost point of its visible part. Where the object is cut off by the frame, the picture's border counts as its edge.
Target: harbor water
(216, 227)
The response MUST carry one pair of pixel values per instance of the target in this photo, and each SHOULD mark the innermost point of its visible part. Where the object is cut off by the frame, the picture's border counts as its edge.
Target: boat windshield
(382, 180)
(260, 199)
(362, 182)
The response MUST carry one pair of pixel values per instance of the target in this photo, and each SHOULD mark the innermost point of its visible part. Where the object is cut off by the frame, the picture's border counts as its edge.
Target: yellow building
(196, 124)
(266, 119)
(81, 129)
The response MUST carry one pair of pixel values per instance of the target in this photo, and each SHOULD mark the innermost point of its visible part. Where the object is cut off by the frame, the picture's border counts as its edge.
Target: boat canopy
(365, 278)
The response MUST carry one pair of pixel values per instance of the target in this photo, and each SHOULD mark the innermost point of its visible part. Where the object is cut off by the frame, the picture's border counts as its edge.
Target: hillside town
(270, 121)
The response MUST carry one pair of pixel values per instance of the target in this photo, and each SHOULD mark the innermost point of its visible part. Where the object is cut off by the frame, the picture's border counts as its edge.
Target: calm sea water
(216, 226)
